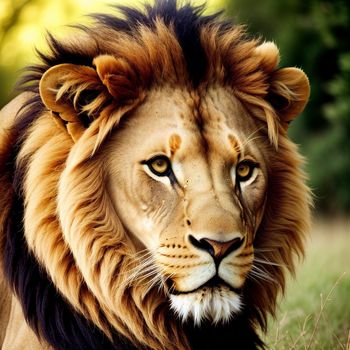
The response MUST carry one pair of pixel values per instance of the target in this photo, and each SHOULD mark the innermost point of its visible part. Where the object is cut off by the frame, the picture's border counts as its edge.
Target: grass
(315, 313)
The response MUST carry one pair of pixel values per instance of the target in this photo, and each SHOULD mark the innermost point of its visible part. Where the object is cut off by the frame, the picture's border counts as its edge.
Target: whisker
(255, 278)
(266, 262)
(145, 253)
(261, 274)
(144, 270)
(259, 278)
(153, 282)
(141, 269)
(140, 258)
(251, 140)
(263, 250)
(250, 137)
(145, 266)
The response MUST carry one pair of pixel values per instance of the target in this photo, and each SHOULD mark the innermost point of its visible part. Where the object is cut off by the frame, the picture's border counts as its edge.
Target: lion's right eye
(159, 165)
(244, 171)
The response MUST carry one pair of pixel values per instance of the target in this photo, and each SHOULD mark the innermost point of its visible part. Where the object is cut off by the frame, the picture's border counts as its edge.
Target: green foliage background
(311, 34)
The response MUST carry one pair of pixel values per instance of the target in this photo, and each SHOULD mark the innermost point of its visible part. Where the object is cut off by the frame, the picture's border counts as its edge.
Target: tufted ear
(289, 88)
(288, 93)
(77, 95)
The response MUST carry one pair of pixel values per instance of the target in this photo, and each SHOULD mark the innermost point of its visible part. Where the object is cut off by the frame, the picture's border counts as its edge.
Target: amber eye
(159, 165)
(244, 170)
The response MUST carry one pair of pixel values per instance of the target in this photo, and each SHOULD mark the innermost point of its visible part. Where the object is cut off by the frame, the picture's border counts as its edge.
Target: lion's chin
(216, 304)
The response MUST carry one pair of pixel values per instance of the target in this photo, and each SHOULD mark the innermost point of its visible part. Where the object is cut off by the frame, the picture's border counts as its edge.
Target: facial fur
(200, 198)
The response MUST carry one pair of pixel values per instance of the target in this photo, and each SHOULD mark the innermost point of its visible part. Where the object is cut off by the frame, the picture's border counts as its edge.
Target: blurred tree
(23, 24)
(314, 35)
(9, 18)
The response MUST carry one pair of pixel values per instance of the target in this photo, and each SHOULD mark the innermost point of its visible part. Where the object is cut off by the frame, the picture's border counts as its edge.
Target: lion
(150, 195)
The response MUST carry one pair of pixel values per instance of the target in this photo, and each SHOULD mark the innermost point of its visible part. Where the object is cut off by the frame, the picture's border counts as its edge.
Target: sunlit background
(311, 34)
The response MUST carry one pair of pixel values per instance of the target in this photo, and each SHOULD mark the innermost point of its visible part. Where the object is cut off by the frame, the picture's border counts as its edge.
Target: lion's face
(186, 174)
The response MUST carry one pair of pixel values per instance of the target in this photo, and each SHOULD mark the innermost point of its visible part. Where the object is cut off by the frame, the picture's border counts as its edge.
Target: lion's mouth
(214, 283)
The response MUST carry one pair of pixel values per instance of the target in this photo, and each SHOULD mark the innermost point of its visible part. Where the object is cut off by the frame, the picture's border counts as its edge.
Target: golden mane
(71, 229)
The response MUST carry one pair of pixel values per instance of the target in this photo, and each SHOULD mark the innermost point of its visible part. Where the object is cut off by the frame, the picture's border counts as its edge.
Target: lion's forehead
(186, 122)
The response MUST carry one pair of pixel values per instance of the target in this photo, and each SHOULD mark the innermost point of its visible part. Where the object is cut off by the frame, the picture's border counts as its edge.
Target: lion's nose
(217, 249)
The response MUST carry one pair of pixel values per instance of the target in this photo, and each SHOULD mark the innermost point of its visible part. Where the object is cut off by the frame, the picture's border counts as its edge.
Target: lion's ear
(67, 90)
(288, 94)
(77, 94)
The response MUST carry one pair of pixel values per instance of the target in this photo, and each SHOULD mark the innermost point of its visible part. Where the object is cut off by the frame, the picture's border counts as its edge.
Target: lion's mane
(52, 189)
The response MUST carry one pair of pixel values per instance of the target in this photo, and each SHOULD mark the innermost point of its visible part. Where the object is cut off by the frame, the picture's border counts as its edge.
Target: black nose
(217, 249)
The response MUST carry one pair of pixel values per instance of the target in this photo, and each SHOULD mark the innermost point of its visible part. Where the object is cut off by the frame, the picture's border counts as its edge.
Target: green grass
(315, 314)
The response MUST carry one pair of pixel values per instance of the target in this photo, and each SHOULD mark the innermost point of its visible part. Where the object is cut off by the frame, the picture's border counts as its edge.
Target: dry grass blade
(301, 334)
(325, 318)
(323, 305)
(278, 335)
(278, 331)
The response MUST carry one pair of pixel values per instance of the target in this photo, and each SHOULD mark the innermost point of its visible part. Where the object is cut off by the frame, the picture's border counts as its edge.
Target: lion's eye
(159, 165)
(244, 170)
